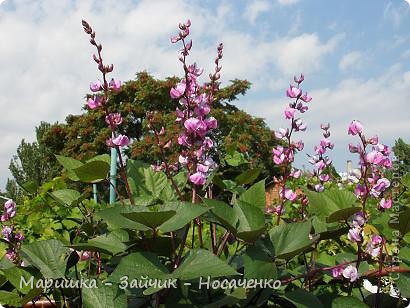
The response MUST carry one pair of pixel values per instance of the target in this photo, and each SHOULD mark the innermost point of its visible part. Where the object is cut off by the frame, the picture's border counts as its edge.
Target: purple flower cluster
(283, 155)
(193, 114)
(8, 232)
(371, 181)
(100, 91)
(320, 161)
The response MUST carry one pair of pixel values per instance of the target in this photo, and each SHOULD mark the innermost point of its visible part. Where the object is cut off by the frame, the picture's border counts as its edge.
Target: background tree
(401, 150)
(83, 136)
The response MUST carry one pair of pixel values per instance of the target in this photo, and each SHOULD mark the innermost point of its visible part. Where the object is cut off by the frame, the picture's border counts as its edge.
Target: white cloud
(396, 14)
(350, 60)
(255, 8)
(303, 53)
(287, 2)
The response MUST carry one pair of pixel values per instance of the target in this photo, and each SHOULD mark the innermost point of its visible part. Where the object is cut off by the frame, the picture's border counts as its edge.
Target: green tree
(83, 136)
(32, 163)
(401, 151)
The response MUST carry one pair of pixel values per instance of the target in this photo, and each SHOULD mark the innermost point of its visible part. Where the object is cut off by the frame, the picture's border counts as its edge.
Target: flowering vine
(99, 99)
(193, 114)
(283, 155)
(12, 237)
(320, 161)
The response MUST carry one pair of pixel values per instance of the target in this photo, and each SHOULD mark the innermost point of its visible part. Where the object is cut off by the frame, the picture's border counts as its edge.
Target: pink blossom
(299, 145)
(306, 98)
(183, 140)
(183, 160)
(360, 190)
(296, 173)
(353, 149)
(115, 85)
(355, 128)
(178, 91)
(355, 235)
(198, 178)
(282, 133)
(19, 237)
(300, 79)
(358, 220)
(337, 271)
(350, 272)
(196, 127)
(324, 177)
(202, 168)
(113, 119)
(120, 140)
(95, 86)
(319, 188)
(211, 123)
(325, 126)
(385, 204)
(373, 140)
(290, 194)
(293, 92)
(289, 112)
(95, 102)
(7, 231)
(299, 125)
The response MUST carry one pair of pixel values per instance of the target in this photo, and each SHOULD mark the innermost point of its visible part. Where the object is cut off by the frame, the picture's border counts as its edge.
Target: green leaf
(185, 212)
(255, 195)
(66, 197)
(137, 265)
(235, 159)
(258, 265)
(202, 263)
(405, 180)
(155, 181)
(10, 298)
(230, 299)
(104, 296)
(332, 205)
(69, 164)
(248, 176)
(303, 299)
(103, 157)
(112, 216)
(402, 223)
(251, 221)
(93, 171)
(48, 256)
(111, 243)
(136, 177)
(403, 283)
(225, 213)
(291, 239)
(17, 274)
(348, 302)
(148, 218)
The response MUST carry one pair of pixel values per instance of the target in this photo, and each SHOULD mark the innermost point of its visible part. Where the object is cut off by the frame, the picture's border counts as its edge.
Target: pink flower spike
(115, 85)
(293, 92)
(355, 128)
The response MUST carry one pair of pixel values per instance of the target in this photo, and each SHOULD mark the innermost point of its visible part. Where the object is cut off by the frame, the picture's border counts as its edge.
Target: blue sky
(355, 56)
